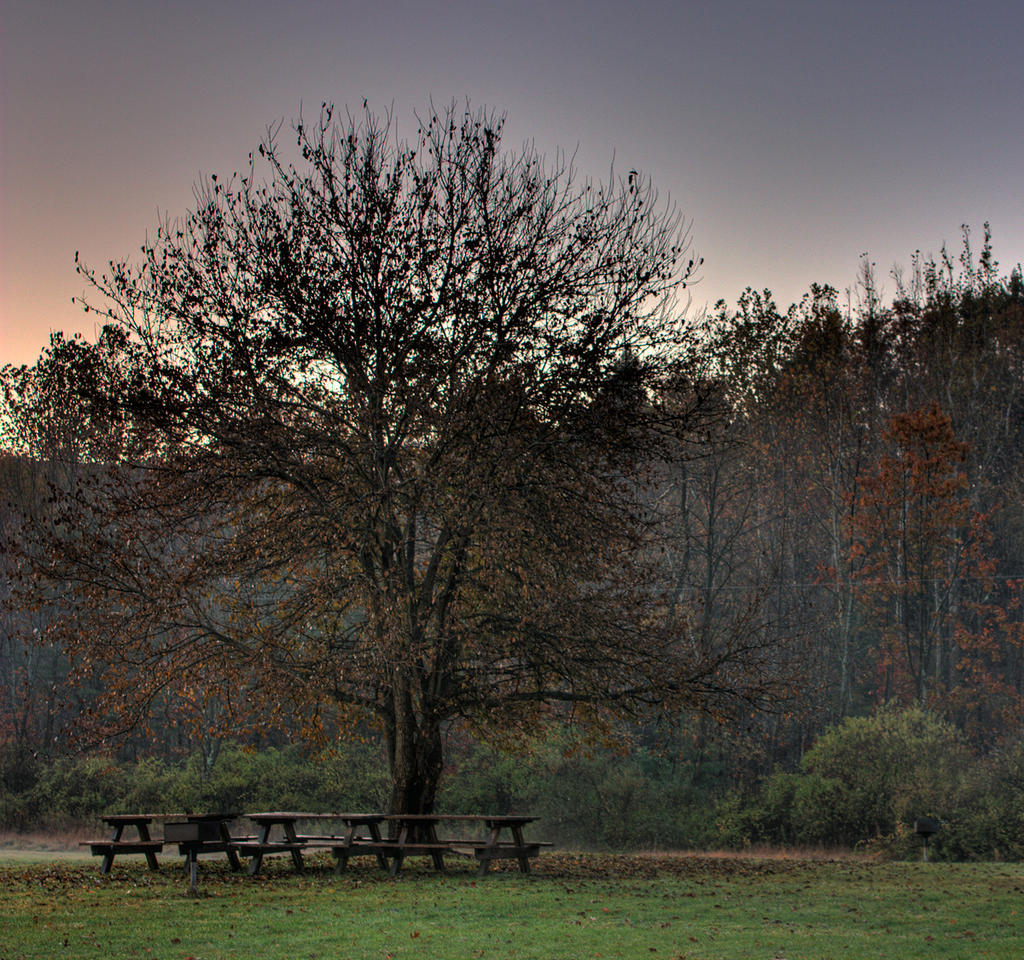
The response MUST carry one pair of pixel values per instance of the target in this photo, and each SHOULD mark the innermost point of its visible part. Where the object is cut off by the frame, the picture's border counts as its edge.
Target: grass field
(572, 906)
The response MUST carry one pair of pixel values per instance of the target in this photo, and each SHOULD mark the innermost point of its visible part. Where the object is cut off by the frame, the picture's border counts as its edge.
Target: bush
(74, 791)
(70, 791)
(890, 768)
(862, 784)
(988, 823)
(817, 811)
(586, 797)
(867, 779)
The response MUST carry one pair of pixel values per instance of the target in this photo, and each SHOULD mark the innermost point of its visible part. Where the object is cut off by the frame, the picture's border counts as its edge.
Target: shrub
(817, 812)
(890, 768)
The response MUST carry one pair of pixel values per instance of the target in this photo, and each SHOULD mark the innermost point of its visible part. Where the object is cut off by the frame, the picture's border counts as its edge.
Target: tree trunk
(416, 765)
(415, 752)
(414, 783)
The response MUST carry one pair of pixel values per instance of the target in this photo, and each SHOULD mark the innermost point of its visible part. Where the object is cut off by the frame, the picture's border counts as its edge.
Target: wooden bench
(484, 852)
(505, 850)
(108, 849)
(481, 850)
(388, 849)
(256, 851)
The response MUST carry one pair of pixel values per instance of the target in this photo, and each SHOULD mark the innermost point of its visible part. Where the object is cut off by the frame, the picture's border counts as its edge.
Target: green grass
(573, 906)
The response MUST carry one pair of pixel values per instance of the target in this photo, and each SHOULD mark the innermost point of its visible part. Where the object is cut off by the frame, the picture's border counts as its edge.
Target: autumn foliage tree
(380, 427)
(925, 560)
(817, 393)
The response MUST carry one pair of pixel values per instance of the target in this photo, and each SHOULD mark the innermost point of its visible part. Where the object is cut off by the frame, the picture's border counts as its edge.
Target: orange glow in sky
(795, 135)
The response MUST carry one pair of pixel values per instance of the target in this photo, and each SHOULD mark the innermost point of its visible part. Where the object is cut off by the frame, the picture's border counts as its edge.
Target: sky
(796, 137)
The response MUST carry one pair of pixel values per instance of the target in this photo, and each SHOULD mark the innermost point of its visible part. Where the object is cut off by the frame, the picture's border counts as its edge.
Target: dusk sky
(796, 136)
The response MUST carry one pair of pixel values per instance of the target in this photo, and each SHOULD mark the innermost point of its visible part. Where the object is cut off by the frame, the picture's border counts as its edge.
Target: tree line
(869, 483)
(412, 438)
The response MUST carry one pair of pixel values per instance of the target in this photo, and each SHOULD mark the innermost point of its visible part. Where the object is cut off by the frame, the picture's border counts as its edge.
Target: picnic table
(263, 844)
(144, 843)
(116, 843)
(407, 834)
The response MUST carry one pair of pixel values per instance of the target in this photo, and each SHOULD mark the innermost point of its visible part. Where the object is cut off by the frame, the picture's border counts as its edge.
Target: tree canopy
(384, 434)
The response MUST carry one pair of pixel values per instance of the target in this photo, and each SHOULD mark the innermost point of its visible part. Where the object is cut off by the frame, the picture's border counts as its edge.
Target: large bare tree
(383, 422)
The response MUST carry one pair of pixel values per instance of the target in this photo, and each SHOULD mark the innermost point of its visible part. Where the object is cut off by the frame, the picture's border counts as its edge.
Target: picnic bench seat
(482, 850)
(485, 852)
(384, 849)
(256, 850)
(249, 847)
(108, 849)
(506, 849)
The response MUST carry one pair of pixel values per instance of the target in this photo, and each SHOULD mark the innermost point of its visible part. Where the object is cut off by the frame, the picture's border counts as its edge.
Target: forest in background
(859, 496)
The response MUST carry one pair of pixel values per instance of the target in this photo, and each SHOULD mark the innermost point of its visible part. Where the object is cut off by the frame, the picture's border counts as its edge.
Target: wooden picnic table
(388, 837)
(407, 834)
(263, 844)
(417, 833)
(116, 842)
(143, 842)
(352, 843)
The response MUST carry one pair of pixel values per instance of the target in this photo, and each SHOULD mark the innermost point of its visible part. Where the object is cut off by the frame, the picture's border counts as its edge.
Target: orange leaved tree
(923, 558)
